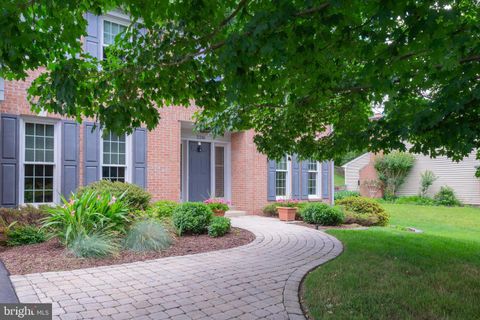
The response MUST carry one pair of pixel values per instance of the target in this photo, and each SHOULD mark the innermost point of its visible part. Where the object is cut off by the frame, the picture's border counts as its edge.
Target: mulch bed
(52, 256)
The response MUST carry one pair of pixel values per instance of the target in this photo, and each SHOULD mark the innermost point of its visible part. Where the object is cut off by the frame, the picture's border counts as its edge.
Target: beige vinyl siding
(460, 176)
(352, 171)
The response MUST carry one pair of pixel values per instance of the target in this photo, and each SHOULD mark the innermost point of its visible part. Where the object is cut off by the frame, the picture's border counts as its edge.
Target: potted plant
(218, 206)
(287, 210)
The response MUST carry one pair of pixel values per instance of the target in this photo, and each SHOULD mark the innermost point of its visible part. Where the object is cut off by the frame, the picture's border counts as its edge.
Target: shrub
(219, 227)
(344, 194)
(322, 214)
(162, 209)
(24, 215)
(418, 200)
(93, 245)
(392, 170)
(426, 181)
(446, 197)
(217, 204)
(270, 210)
(363, 211)
(192, 217)
(25, 234)
(88, 213)
(147, 235)
(134, 196)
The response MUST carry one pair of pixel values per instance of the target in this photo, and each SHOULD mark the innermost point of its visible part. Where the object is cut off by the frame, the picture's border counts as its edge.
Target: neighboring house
(45, 156)
(458, 175)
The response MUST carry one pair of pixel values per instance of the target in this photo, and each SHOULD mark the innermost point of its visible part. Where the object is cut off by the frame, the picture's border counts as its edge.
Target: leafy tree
(392, 169)
(287, 69)
(426, 181)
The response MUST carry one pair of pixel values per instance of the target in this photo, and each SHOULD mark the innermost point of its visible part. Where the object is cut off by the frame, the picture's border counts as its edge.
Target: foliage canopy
(287, 69)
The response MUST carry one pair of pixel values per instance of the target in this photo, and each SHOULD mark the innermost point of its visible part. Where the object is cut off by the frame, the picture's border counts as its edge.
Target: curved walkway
(256, 281)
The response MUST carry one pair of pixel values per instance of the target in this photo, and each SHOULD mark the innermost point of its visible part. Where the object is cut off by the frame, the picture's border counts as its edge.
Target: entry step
(235, 213)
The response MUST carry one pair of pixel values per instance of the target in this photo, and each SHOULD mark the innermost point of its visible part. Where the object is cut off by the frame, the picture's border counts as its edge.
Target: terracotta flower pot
(219, 213)
(287, 213)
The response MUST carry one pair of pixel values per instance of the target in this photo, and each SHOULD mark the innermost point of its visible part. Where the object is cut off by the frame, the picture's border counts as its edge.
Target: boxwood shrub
(364, 211)
(219, 227)
(322, 214)
(25, 234)
(192, 217)
(162, 209)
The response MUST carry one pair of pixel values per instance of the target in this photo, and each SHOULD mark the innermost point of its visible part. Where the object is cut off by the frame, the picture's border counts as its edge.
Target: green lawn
(338, 179)
(388, 273)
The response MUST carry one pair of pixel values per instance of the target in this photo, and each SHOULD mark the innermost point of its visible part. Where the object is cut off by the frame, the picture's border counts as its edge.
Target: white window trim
(114, 17)
(288, 181)
(57, 154)
(318, 194)
(128, 158)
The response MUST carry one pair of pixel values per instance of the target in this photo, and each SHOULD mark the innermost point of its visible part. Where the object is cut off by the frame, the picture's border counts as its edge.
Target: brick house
(44, 156)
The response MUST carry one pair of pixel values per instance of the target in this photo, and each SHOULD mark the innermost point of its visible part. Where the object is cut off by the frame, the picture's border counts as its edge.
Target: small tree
(392, 170)
(427, 179)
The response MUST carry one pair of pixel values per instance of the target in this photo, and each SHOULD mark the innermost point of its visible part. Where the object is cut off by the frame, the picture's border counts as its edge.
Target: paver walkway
(256, 281)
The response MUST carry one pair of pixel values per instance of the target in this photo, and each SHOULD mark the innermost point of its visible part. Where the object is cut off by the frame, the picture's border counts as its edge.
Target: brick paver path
(256, 281)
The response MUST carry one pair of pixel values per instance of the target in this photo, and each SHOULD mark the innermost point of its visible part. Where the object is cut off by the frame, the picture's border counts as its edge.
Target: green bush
(147, 235)
(322, 214)
(418, 200)
(392, 169)
(24, 215)
(364, 211)
(86, 214)
(219, 226)
(427, 179)
(93, 245)
(192, 217)
(270, 210)
(339, 195)
(25, 234)
(446, 197)
(133, 195)
(162, 209)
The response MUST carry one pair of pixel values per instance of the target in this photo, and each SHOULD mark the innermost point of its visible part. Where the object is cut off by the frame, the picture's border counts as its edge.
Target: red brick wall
(249, 174)
(249, 167)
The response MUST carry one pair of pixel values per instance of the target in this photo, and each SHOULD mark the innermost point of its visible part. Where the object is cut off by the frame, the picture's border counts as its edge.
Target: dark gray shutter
(92, 41)
(2, 89)
(326, 180)
(9, 160)
(70, 143)
(271, 192)
(140, 157)
(91, 144)
(295, 178)
(304, 181)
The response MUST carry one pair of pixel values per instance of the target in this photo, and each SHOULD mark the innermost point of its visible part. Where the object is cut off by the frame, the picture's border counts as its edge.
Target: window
(114, 159)
(39, 163)
(110, 31)
(312, 178)
(281, 177)
(219, 172)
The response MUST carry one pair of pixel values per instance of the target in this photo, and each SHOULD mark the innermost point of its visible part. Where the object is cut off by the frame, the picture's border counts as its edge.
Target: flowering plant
(217, 204)
(91, 212)
(289, 203)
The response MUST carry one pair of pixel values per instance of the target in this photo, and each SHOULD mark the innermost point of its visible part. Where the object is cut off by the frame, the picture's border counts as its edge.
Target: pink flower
(72, 213)
(72, 201)
(99, 197)
(112, 201)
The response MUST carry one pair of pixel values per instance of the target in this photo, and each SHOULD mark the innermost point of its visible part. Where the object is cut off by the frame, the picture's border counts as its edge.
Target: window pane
(113, 173)
(30, 129)
(281, 183)
(39, 138)
(282, 164)
(121, 159)
(219, 172)
(312, 165)
(312, 183)
(38, 186)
